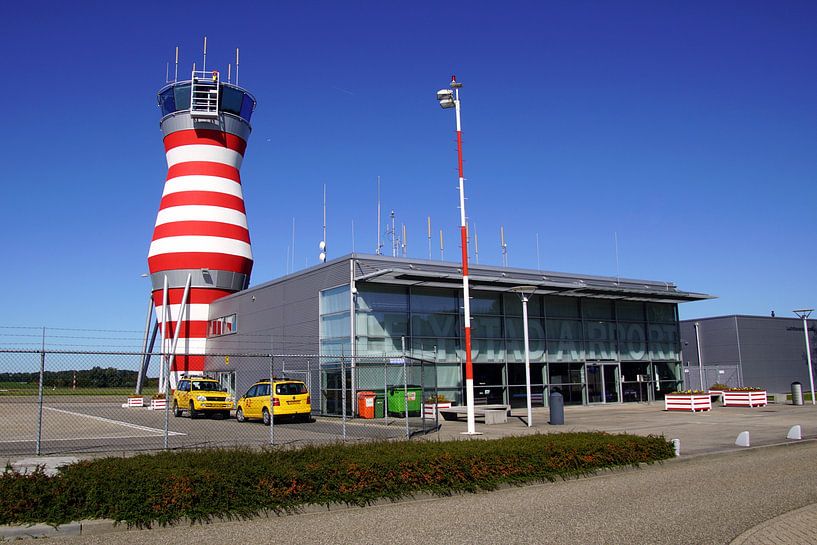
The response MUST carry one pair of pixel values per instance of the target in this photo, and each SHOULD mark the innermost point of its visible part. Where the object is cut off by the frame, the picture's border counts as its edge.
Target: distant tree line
(96, 377)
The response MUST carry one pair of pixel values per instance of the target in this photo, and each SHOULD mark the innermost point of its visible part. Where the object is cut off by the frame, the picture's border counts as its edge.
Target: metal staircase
(204, 91)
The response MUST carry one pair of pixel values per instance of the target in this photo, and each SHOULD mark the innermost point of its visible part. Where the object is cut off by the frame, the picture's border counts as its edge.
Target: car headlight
(229, 399)
(201, 398)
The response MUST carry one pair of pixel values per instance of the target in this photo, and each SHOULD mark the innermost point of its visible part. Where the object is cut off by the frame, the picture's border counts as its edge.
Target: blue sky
(687, 129)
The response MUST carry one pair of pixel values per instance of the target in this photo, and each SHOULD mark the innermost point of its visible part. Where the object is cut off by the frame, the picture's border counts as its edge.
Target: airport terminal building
(594, 339)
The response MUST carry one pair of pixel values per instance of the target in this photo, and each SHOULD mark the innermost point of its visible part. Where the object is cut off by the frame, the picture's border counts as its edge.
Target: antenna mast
(204, 64)
(441, 246)
(379, 244)
(429, 238)
(236, 66)
(476, 244)
(503, 245)
(176, 70)
(322, 245)
(394, 240)
(405, 244)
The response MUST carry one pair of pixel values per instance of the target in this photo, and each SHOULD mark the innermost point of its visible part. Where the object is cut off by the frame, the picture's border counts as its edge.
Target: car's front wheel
(239, 415)
(266, 416)
(193, 412)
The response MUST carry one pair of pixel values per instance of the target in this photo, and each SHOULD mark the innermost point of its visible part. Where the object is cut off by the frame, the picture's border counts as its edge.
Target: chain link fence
(61, 402)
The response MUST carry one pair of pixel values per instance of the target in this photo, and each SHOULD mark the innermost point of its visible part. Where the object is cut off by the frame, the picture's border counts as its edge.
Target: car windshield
(206, 385)
(290, 388)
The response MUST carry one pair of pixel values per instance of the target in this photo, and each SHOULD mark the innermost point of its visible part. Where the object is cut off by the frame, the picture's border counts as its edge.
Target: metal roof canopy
(406, 272)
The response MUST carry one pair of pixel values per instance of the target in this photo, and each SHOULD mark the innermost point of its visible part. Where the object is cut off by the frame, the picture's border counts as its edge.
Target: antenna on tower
(353, 236)
(379, 244)
(322, 245)
(204, 64)
(442, 257)
(404, 242)
(429, 238)
(236, 66)
(393, 234)
(476, 244)
(167, 72)
(176, 70)
(293, 244)
(503, 245)
(618, 274)
(229, 72)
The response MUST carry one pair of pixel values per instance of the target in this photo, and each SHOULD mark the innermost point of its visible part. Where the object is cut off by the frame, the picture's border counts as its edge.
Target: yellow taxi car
(291, 399)
(201, 396)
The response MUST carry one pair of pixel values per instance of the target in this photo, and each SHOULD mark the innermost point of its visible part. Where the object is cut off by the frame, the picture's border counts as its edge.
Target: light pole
(524, 293)
(804, 314)
(450, 98)
(698, 346)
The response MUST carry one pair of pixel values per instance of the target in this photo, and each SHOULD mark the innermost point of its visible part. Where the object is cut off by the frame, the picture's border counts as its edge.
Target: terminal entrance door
(603, 383)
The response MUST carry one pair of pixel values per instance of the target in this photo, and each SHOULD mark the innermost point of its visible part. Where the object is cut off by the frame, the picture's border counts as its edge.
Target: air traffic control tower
(200, 249)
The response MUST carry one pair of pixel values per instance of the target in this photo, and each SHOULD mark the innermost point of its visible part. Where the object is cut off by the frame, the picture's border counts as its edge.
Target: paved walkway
(797, 527)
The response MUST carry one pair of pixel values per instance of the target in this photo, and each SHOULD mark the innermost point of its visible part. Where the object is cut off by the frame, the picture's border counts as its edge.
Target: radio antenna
(204, 64)
(503, 245)
(476, 244)
(405, 243)
(379, 244)
(322, 245)
(442, 257)
(236, 66)
(429, 238)
(176, 69)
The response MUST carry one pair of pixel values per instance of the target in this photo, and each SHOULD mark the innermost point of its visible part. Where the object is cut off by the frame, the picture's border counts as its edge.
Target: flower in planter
(744, 389)
(719, 386)
(439, 398)
(157, 396)
(689, 392)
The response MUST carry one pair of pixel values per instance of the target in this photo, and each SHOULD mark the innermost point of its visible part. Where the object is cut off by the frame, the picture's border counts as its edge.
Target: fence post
(405, 386)
(38, 447)
(166, 373)
(343, 391)
(271, 400)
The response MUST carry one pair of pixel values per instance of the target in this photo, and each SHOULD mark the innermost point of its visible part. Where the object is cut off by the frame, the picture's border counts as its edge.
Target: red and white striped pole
(469, 366)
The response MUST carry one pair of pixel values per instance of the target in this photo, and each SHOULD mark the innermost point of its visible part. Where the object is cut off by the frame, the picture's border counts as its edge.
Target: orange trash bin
(365, 404)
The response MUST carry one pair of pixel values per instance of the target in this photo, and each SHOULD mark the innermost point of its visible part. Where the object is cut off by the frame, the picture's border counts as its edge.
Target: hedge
(199, 485)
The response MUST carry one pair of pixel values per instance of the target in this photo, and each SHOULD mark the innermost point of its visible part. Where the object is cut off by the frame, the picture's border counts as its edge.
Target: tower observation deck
(201, 233)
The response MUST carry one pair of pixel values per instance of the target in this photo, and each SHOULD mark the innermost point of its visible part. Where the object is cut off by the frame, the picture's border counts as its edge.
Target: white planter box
(687, 402)
(135, 402)
(158, 404)
(430, 409)
(745, 399)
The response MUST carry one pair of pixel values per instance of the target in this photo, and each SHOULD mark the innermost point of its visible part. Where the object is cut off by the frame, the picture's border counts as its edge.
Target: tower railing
(204, 94)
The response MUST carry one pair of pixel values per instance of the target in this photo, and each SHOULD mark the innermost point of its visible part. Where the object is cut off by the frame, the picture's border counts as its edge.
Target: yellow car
(291, 399)
(201, 396)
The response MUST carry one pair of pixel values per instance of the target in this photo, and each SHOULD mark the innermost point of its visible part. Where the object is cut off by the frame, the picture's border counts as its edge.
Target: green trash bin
(397, 400)
(379, 405)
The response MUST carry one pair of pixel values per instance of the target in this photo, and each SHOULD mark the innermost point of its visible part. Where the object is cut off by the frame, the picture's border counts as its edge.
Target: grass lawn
(30, 389)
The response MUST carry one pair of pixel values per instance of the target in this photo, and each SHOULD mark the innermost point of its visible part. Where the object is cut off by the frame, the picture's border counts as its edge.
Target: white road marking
(118, 422)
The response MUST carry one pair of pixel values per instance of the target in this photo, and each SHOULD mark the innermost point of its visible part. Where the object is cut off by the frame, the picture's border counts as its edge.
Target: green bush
(166, 487)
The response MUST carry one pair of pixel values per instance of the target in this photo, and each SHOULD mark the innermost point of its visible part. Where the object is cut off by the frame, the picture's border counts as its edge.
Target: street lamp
(524, 293)
(698, 346)
(450, 98)
(804, 314)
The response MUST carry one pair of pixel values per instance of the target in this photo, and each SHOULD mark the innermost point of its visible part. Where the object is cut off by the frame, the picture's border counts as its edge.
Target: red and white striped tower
(201, 233)
(449, 99)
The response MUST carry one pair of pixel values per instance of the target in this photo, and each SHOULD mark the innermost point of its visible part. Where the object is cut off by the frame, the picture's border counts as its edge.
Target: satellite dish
(322, 245)
(322, 257)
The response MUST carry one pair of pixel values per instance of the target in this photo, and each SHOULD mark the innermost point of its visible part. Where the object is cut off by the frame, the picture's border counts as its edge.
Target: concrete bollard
(743, 439)
(795, 433)
(796, 393)
(676, 446)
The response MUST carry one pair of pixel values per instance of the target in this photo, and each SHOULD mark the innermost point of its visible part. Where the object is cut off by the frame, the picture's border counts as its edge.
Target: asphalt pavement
(715, 492)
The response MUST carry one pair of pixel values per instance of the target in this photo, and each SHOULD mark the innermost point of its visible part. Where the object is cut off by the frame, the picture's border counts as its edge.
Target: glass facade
(592, 350)
(234, 100)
